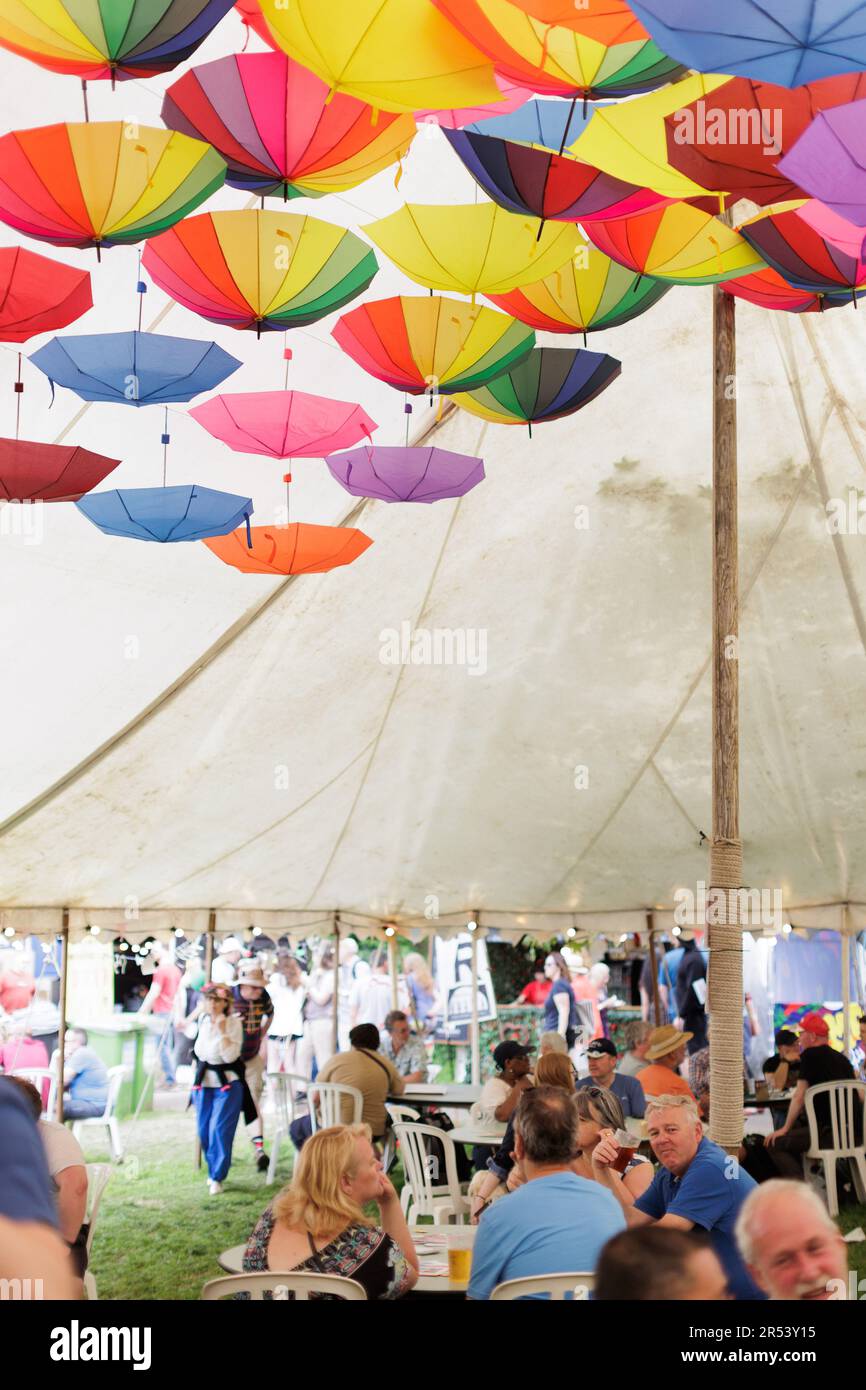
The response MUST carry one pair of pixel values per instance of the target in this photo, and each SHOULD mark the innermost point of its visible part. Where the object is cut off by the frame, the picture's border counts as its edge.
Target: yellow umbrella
(679, 243)
(475, 248)
(629, 139)
(397, 55)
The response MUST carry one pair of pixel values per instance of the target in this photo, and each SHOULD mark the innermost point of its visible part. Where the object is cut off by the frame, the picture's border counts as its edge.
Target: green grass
(159, 1233)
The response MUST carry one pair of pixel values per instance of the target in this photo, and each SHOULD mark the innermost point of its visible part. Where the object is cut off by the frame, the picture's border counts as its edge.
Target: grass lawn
(159, 1233)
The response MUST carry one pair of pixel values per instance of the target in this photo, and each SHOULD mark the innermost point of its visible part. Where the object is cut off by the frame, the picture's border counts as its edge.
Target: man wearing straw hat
(224, 968)
(665, 1055)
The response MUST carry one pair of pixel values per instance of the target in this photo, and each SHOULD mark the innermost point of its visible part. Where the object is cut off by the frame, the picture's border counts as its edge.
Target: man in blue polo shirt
(601, 1057)
(697, 1185)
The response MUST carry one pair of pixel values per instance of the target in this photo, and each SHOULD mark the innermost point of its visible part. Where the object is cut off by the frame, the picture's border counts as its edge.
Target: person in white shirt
(224, 968)
(371, 999)
(287, 988)
(501, 1093)
(218, 1100)
(318, 1040)
(352, 971)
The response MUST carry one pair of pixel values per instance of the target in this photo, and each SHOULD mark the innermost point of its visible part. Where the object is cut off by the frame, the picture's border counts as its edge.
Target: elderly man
(637, 1039)
(698, 1184)
(254, 1005)
(556, 1222)
(601, 1059)
(791, 1244)
(398, 1045)
(665, 1055)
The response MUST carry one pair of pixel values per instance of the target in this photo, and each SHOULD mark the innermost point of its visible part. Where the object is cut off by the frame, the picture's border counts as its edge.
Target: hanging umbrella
(536, 182)
(124, 38)
(38, 295)
(261, 270)
(829, 225)
(33, 472)
(607, 21)
(103, 183)
(280, 130)
(679, 243)
(545, 121)
(298, 548)
(134, 368)
(419, 344)
(554, 60)
(733, 142)
(398, 55)
(767, 289)
(829, 159)
(592, 292)
(549, 383)
(802, 257)
(474, 248)
(283, 424)
(512, 98)
(250, 12)
(788, 42)
(180, 513)
(405, 475)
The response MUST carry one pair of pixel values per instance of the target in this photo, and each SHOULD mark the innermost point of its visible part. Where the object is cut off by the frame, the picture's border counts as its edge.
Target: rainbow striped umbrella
(546, 385)
(590, 293)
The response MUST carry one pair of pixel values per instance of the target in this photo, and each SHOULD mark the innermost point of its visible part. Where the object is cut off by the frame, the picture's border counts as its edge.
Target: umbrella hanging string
(165, 442)
(287, 354)
(141, 291)
(568, 121)
(19, 391)
(287, 479)
(84, 95)
(407, 411)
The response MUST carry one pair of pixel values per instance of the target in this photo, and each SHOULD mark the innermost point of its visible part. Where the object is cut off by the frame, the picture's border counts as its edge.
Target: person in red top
(18, 1051)
(17, 988)
(536, 991)
(159, 1001)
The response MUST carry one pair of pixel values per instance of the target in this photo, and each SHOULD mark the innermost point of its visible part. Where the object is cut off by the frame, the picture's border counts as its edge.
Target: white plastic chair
(398, 1114)
(846, 1110)
(281, 1285)
(286, 1087)
(557, 1286)
(433, 1071)
(328, 1109)
(107, 1120)
(37, 1076)
(97, 1179)
(421, 1196)
(90, 1287)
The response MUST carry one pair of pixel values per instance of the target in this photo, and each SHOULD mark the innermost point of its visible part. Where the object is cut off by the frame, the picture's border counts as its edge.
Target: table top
(432, 1242)
(774, 1098)
(478, 1134)
(447, 1096)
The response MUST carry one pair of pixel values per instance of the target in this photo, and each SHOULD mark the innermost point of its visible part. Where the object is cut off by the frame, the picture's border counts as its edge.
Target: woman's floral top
(364, 1253)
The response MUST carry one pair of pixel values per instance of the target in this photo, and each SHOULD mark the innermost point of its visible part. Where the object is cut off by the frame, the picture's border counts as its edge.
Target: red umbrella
(38, 295)
(32, 472)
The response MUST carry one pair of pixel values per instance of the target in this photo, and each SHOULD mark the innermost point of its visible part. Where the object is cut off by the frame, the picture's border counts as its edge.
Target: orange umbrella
(606, 21)
(298, 548)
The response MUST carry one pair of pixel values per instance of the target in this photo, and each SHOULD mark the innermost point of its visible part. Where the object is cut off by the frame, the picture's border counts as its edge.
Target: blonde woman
(424, 1001)
(599, 1109)
(317, 1224)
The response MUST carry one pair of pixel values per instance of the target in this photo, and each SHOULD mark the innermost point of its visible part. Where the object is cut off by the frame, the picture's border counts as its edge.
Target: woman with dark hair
(560, 1009)
(598, 1109)
(219, 1086)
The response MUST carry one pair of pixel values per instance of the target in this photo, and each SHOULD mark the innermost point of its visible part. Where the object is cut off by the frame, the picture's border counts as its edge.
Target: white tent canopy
(182, 739)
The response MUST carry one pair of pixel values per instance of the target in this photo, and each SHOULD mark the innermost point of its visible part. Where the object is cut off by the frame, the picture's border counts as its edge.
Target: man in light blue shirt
(407, 1053)
(556, 1223)
(85, 1078)
(601, 1058)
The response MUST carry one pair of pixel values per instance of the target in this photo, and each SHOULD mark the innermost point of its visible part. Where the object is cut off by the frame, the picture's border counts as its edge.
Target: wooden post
(724, 935)
(846, 982)
(208, 945)
(393, 967)
(61, 1035)
(657, 1002)
(335, 1003)
(474, 1032)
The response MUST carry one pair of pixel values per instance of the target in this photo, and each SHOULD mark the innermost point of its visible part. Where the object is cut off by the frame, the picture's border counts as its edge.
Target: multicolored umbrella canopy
(555, 60)
(283, 424)
(788, 42)
(134, 368)
(680, 243)
(298, 548)
(104, 183)
(474, 248)
(832, 227)
(802, 257)
(181, 513)
(546, 121)
(279, 128)
(421, 344)
(38, 295)
(733, 143)
(398, 55)
(767, 289)
(607, 21)
(108, 38)
(512, 98)
(261, 270)
(591, 293)
(539, 183)
(549, 383)
(33, 472)
(829, 159)
(405, 475)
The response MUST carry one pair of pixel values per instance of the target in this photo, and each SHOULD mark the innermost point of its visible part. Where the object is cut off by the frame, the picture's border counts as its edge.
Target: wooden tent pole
(335, 1001)
(61, 1035)
(474, 1030)
(724, 935)
(209, 944)
(393, 966)
(846, 981)
(657, 1003)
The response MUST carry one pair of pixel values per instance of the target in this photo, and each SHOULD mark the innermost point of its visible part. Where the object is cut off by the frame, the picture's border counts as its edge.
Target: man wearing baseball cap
(781, 1153)
(601, 1057)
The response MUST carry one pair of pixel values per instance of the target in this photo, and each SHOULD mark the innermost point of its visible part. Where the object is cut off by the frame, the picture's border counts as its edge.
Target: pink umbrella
(405, 475)
(284, 424)
(828, 224)
(513, 97)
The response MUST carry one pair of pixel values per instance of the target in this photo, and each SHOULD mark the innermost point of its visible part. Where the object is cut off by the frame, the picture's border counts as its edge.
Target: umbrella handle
(249, 532)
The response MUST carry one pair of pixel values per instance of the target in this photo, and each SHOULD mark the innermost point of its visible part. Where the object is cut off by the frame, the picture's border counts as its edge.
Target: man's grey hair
(555, 1042)
(636, 1032)
(686, 1103)
(788, 1189)
(546, 1120)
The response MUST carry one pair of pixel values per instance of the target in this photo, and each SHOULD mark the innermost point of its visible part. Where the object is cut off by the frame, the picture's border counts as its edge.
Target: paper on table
(432, 1267)
(425, 1089)
(856, 1234)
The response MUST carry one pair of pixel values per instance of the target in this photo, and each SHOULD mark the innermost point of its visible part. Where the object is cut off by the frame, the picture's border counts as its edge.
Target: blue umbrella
(542, 121)
(134, 368)
(187, 513)
(788, 42)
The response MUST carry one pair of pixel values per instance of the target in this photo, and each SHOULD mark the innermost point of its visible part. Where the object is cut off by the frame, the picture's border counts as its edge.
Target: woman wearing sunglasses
(599, 1111)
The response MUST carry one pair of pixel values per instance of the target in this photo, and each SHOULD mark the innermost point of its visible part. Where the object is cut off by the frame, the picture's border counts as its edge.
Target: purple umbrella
(829, 160)
(404, 474)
